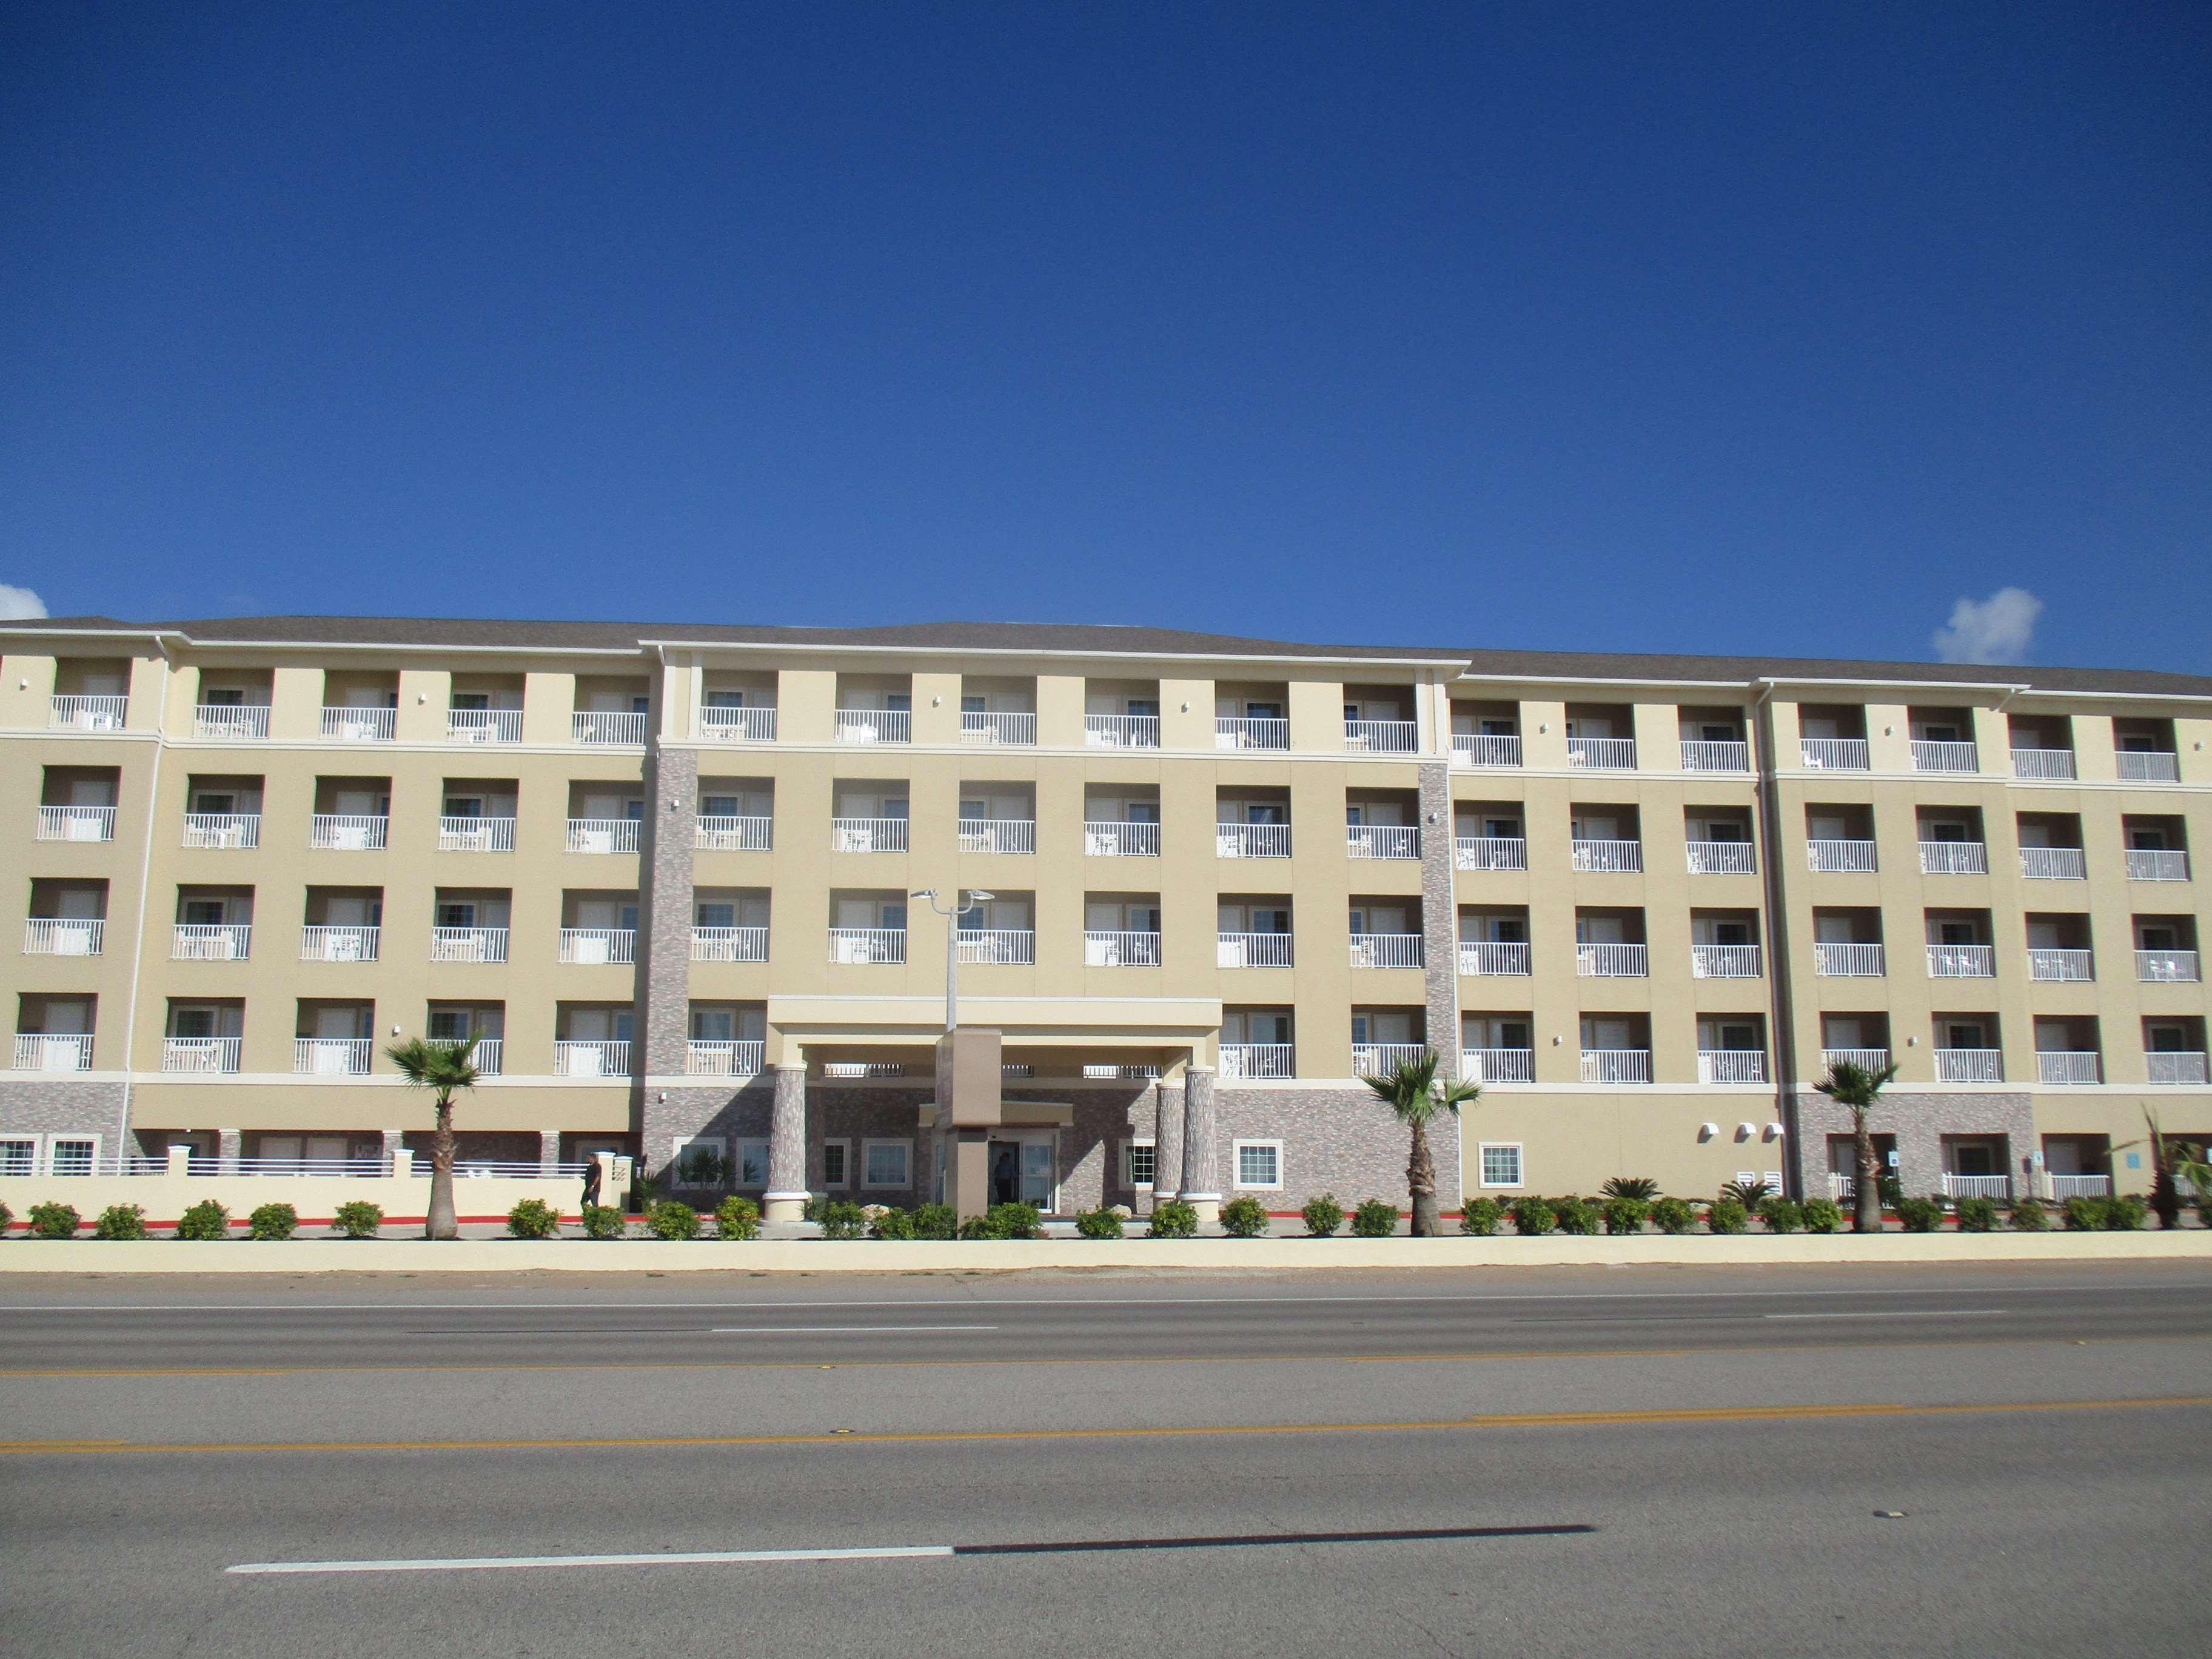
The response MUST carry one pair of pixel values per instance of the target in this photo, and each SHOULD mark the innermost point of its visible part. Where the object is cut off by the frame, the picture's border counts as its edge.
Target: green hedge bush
(1172, 1218)
(1675, 1215)
(739, 1218)
(1323, 1214)
(121, 1221)
(358, 1218)
(7, 1220)
(2083, 1215)
(1782, 1215)
(1244, 1217)
(1533, 1217)
(1004, 1221)
(1727, 1215)
(54, 1221)
(1977, 1215)
(2030, 1215)
(1101, 1223)
(1920, 1215)
(894, 1225)
(672, 1218)
(272, 1222)
(936, 1221)
(2125, 1213)
(604, 1221)
(533, 1218)
(1823, 1215)
(203, 1221)
(843, 1219)
(1581, 1217)
(1480, 1218)
(1641, 1186)
(1626, 1215)
(1376, 1218)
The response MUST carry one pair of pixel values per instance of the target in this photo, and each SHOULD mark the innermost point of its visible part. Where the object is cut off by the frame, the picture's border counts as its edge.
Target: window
(19, 1155)
(836, 1170)
(1501, 1165)
(1260, 1163)
(886, 1163)
(752, 1163)
(698, 1161)
(71, 1155)
(1140, 1161)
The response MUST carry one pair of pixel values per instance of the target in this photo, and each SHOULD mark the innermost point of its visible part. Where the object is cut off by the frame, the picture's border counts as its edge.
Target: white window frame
(1236, 1166)
(34, 1142)
(1482, 1167)
(683, 1144)
(1128, 1175)
(738, 1169)
(844, 1180)
(905, 1183)
(46, 1161)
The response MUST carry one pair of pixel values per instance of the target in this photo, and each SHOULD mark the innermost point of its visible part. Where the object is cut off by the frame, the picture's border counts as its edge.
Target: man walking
(590, 1182)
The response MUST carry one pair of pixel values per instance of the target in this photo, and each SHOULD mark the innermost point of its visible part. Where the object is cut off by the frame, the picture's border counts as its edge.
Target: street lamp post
(961, 901)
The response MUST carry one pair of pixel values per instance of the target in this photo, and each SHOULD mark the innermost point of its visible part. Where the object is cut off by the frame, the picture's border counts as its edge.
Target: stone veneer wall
(1919, 1122)
(1343, 1141)
(665, 912)
(1440, 916)
(31, 1103)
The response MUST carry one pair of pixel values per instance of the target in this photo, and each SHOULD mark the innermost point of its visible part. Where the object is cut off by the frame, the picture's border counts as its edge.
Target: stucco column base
(784, 1206)
(1208, 1205)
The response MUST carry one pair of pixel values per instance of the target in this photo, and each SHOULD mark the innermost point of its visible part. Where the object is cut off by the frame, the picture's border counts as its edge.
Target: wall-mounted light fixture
(1707, 1131)
(1746, 1131)
(1774, 1132)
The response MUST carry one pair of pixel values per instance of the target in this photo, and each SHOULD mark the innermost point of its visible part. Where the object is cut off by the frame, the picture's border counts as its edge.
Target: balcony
(484, 725)
(1724, 962)
(476, 835)
(488, 1056)
(200, 1054)
(348, 832)
(750, 724)
(1488, 1066)
(330, 1056)
(737, 834)
(1616, 1066)
(1489, 958)
(1483, 748)
(350, 725)
(76, 824)
(865, 946)
(976, 727)
(867, 835)
(1490, 853)
(2165, 1066)
(230, 722)
(227, 831)
(1965, 1185)
(1121, 949)
(1970, 1066)
(1722, 858)
(2062, 1065)
(62, 936)
(1016, 835)
(1625, 857)
(703, 1058)
(78, 714)
(1611, 961)
(1602, 754)
(468, 945)
(2148, 766)
(2167, 967)
(338, 943)
(1962, 961)
(1834, 754)
(1246, 1060)
(1953, 858)
(1105, 838)
(2063, 1187)
(1383, 841)
(1121, 730)
(729, 944)
(1868, 1059)
(1848, 961)
(2067, 966)
(1380, 1059)
(1251, 731)
(1702, 757)
(875, 725)
(2150, 863)
(1387, 950)
(1009, 947)
(591, 1059)
(1252, 841)
(603, 835)
(2053, 864)
(1253, 951)
(224, 941)
(1950, 757)
(2049, 764)
(604, 728)
(1382, 736)
(1840, 857)
(1731, 1065)
(53, 1051)
(598, 946)
(846, 1070)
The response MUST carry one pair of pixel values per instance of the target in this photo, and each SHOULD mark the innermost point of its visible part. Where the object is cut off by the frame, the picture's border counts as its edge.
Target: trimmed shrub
(1479, 1217)
(2083, 1215)
(272, 1222)
(896, 1225)
(1533, 1217)
(358, 1218)
(2125, 1213)
(812, 1210)
(1725, 1215)
(1376, 1218)
(1323, 1214)
(1581, 1217)
(1749, 1193)
(7, 1220)
(672, 1218)
(1626, 1215)
(121, 1221)
(1640, 1186)
(1172, 1218)
(1674, 1215)
(600, 1221)
(1977, 1215)
(54, 1221)
(1244, 1217)
(1823, 1215)
(936, 1221)
(842, 1219)
(1101, 1223)
(739, 1218)
(2030, 1215)
(203, 1221)
(1782, 1215)
(533, 1218)
(1004, 1221)
(1920, 1215)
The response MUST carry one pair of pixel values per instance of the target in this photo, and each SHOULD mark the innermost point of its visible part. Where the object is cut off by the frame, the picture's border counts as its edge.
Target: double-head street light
(961, 903)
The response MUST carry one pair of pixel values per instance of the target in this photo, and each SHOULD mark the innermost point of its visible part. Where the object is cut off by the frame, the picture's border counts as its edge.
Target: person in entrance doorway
(1006, 1183)
(590, 1182)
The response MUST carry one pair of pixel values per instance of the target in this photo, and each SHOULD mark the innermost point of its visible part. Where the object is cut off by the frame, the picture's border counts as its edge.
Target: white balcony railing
(2166, 1066)
(1953, 858)
(1485, 958)
(1006, 946)
(2167, 967)
(2067, 1066)
(603, 835)
(865, 945)
(1722, 858)
(330, 1056)
(76, 824)
(53, 1051)
(867, 835)
(847, 1069)
(1962, 961)
(468, 945)
(348, 832)
(1725, 756)
(2062, 965)
(1840, 857)
(998, 834)
(1382, 736)
(2148, 766)
(704, 1057)
(1486, 749)
(2053, 864)
(1121, 949)
(199, 1054)
(484, 725)
(1488, 1066)
(748, 725)
(977, 726)
(1108, 1071)
(1257, 1059)
(1970, 1066)
(223, 722)
(1490, 853)
(1380, 1059)
(1108, 838)
(1602, 754)
(68, 712)
(1848, 961)
(2043, 763)
(1834, 754)
(572, 1058)
(1929, 757)
(1252, 841)
(221, 941)
(608, 727)
(2064, 1187)
(62, 936)
(875, 725)
(1611, 961)
(734, 834)
(729, 944)
(1869, 1059)
(326, 943)
(1616, 1066)
(229, 832)
(488, 1056)
(1121, 730)
(1253, 951)
(359, 725)
(1724, 962)
(1386, 950)
(1731, 1065)
(2157, 864)
(1626, 856)
(598, 945)
(1251, 731)
(460, 835)
(1383, 841)
(1981, 1186)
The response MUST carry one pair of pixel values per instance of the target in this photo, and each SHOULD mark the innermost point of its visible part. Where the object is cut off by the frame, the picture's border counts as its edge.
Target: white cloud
(1995, 629)
(20, 604)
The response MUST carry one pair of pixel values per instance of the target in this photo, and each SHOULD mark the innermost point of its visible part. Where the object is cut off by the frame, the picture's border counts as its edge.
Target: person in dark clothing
(590, 1182)
(1002, 1177)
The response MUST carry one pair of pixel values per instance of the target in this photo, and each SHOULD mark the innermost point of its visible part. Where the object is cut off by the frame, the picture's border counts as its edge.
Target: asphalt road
(1533, 1460)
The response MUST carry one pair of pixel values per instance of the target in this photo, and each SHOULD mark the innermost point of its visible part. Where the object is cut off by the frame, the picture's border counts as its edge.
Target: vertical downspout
(1779, 976)
(145, 876)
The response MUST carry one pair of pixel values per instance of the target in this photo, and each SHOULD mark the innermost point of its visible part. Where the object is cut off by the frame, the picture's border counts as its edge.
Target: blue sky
(1751, 328)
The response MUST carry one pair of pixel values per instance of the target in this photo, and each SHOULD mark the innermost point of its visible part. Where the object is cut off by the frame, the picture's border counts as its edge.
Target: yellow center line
(849, 1437)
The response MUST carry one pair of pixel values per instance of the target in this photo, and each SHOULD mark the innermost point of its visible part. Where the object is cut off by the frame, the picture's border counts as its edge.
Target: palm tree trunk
(440, 1223)
(1421, 1183)
(1866, 1215)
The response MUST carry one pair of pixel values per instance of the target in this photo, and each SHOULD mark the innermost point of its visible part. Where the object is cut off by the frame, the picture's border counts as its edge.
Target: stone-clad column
(1440, 916)
(1167, 1142)
(549, 1152)
(664, 955)
(1199, 1188)
(787, 1192)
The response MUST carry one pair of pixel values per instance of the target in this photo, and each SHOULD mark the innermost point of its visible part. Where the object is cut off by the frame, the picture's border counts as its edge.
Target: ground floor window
(1501, 1164)
(1140, 1162)
(698, 1161)
(1260, 1165)
(19, 1155)
(887, 1164)
(752, 1163)
(835, 1172)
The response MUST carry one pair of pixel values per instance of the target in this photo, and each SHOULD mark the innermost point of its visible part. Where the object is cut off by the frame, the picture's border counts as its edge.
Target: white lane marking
(1900, 1313)
(817, 1330)
(488, 1563)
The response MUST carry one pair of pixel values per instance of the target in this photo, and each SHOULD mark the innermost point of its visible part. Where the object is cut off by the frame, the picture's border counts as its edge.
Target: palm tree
(1410, 1090)
(1857, 1090)
(2168, 1162)
(445, 1067)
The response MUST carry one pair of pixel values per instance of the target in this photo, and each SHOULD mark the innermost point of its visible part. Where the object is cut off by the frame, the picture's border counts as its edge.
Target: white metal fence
(230, 721)
(1486, 958)
(199, 1054)
(1121, 730)
(1962, 961)
(722, 833)
(330, 1056)
(2148, 766)
(1616, 1066)
(2067, 1066)
(2157, 864)
(76, 824)
(998, 835)
(62, 936)
(1005, 946)
(1252, 841)
(348, 832)
(1969, 1065)
(1487, 1065)
(1378, 1058)
(1383, 841)
(221, 941)
(1382, 736)
(1253, 951)
(1602, 754)
(1386, 950)
(468, 945)
(1106, 838)
(598, 945)
(2053, 864)
(466, 835)
(747, 725)
(2167, 967)
(1722, 757)
(484, 725)
(1840, 857)
(224, 831)
(708, 1057)
(1108, 948)
(1871, 1059)
(865, 945)
(2043, 763)
(1625, 856)
(1611, 961)
(1848, 961)
(1490, 853)
(729, 944)
(71, 713)
(1722, 858)
(867, 835)
(1834, 754)
(1486, 749)
(977, 726)
(2166, 1066)
(875, 725)
(1251, 731)
(1731, 1065)
(1257, 1059)
(591, 1059)
(53, 1051)
(1953, 858)
(1930, 757)
(1724, 962)
(603, 835)
(2058, 964)
(326, 943)
(359, 725)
